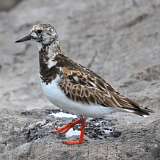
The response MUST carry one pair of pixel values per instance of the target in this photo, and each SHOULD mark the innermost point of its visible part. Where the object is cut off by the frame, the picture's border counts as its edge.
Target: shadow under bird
(75, 88)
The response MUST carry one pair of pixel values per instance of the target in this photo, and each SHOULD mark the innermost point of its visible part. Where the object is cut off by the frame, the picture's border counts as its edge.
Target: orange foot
(67, 127)
(64, 129)
(73, 142)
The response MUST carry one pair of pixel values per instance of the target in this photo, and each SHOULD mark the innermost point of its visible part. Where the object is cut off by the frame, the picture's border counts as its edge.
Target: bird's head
(41, 33)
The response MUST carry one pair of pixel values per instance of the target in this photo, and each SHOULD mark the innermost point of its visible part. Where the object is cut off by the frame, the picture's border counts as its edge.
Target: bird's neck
(55, 48)
(52, 50)
(47, 61)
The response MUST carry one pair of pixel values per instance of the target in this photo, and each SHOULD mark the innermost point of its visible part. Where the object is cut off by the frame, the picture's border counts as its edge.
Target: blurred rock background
(8, 4)
(120, 40)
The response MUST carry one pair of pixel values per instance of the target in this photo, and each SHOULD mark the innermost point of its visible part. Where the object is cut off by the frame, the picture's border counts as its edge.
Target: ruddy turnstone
(72, 87)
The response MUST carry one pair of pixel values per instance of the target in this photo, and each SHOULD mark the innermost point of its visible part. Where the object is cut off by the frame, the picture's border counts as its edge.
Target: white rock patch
(63, 115)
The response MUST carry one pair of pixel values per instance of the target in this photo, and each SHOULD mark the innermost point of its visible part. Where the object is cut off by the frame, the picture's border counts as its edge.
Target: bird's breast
(56, 95)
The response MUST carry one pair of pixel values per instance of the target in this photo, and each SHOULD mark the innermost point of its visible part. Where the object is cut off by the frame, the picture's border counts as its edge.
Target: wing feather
(82, 85)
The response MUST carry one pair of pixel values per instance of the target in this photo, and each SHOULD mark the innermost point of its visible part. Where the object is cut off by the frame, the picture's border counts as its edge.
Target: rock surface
(117, 39)
(8, 4)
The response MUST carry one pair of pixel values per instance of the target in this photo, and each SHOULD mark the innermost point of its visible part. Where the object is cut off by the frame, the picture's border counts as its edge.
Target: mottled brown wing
(81, 84)
(81, 75)
(86, 94)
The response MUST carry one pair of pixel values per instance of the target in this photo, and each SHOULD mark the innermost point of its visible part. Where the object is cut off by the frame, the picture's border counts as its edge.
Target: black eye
(39, 31)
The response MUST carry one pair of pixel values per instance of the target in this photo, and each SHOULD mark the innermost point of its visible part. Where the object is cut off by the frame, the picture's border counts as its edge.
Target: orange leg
(67, 127)
(81, 138)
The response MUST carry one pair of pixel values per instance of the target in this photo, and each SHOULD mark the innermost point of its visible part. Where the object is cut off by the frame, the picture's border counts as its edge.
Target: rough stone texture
(117, 39)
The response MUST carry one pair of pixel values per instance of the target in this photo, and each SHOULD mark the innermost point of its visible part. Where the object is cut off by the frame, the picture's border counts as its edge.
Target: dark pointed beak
(26, 38)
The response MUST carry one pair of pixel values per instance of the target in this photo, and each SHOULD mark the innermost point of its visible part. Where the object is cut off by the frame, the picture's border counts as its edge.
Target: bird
(73, 87)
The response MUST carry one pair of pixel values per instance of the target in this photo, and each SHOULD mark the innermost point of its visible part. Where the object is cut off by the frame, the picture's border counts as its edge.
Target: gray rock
(8, 4)
(35, 139)
(117, 39)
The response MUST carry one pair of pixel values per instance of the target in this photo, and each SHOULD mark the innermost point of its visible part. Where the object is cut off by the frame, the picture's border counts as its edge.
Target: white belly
(58, 98)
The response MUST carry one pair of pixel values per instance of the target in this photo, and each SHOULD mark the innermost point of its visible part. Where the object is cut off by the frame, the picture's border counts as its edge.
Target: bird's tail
(138, 109)
(131, 106)
(143, 111)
